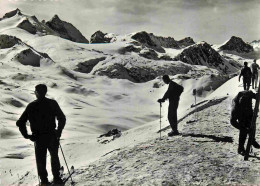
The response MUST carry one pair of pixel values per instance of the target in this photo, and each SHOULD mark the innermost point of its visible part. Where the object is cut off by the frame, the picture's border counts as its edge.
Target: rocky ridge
(238, 45)
(66, 30)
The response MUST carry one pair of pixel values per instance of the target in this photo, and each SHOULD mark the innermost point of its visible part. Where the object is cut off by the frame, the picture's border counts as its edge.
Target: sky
(213, 21)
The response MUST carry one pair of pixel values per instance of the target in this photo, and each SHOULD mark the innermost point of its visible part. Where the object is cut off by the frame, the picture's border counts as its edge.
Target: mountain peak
(238, 45)
(12, 13)
(99, 37)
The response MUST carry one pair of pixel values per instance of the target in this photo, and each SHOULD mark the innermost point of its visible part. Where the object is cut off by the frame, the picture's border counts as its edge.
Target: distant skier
(247, 75)
(41, 114)
(173, 94)
(254, 68)
(241, 117)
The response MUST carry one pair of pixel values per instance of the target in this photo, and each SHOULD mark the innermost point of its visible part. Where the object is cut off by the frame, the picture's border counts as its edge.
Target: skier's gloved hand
(160, 100)
(58, 133)
(33, 138)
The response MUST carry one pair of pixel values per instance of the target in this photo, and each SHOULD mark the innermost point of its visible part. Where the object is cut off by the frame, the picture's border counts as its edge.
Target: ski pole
(36, 163)
(65, 160)
(160, 120)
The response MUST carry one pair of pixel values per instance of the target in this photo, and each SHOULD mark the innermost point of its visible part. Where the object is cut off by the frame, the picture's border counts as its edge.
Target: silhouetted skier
(173, 94)
(241, 117)
(247, 75)
(41, 114)
(254, 68)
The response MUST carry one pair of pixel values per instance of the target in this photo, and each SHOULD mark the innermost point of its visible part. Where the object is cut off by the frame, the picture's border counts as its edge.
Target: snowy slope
(120, 91)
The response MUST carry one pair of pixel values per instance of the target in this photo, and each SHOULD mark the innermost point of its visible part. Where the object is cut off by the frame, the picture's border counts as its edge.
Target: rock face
(166, 42)
(138, 69)
(7, 41)
(99, 37)
(12, 13)
(238, 45)
(66, 30)
(28, 26)
(185, 42)
(201, 54)
(146, 40)
(157, 43)
(87, 66)
(32, 58)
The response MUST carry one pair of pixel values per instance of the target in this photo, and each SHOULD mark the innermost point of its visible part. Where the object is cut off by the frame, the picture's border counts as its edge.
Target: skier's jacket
(246, 73)
(42, 115)
(254, 68)
(242, 111)
(174, 91)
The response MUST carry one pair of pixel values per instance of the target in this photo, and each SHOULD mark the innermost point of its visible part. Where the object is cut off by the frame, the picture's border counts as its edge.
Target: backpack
(241, 108)
(247, 73)
(178, 90)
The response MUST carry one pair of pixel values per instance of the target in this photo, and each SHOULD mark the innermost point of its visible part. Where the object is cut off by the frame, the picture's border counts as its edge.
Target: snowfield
(99, 88)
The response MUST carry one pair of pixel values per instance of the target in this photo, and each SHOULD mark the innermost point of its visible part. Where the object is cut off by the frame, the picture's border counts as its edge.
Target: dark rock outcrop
(66, 30)
(12, 13)
(32, 58)
(149, 54)
(28, 26)
(87, 66)
(7, 41)
(185, 42)
(238, 45)
(201, 54)
(99, 37)
(129, 48)
(146, 40)
(167, 42)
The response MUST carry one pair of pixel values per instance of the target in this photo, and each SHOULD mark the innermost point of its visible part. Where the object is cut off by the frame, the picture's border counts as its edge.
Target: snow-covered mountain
(32, 25)
(66, 30)
(203, 54)
(116, 84)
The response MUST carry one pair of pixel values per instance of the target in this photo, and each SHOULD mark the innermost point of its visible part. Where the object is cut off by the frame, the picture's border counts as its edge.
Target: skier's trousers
(48, 142)
(172, 114)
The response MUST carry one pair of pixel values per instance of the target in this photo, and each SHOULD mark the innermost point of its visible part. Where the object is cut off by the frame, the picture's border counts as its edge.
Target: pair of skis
(253, 124)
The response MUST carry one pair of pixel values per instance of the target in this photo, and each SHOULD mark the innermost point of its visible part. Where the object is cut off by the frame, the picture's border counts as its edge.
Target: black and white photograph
(129, 92)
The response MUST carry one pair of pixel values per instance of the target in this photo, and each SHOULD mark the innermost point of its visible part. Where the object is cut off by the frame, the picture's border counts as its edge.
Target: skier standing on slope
(254, 68)
(173, 94)
(247, 75)
(41, 114)
(241, 117)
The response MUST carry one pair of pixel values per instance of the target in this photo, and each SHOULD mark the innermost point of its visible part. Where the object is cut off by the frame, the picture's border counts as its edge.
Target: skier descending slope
(173, 94)
(241, 117)
(41, 114)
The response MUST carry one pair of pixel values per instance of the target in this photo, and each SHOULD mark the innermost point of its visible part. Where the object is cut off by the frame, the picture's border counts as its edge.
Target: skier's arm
(21, 123)
(240, 75)
(168, 92)
(60, 117)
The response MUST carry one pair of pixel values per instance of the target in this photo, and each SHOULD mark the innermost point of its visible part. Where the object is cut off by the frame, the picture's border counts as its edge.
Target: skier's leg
(55, 162)
(41, 153)
(244, 84)
(256, 79)
(253, 81)
(241, 141)
(172, 116)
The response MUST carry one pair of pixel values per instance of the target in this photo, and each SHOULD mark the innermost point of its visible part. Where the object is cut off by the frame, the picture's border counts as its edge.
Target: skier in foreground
(173, 94)
(41, 114)
(254, 68)
(241, 117)
(247, 75)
